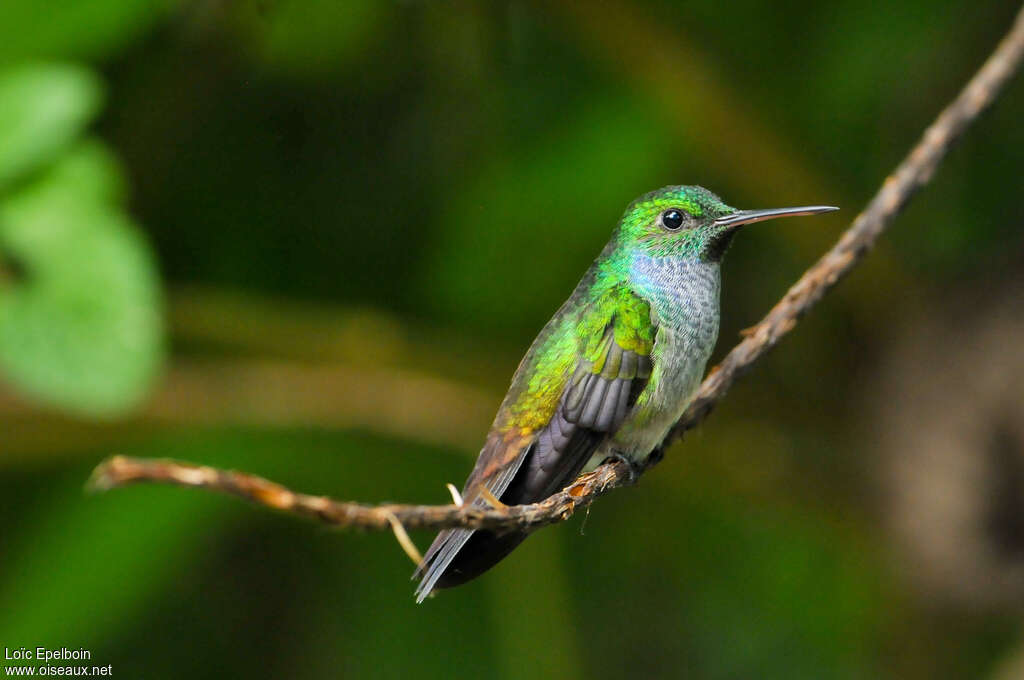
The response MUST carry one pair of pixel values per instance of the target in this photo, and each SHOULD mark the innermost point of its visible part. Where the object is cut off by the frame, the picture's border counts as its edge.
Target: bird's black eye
(672, 219)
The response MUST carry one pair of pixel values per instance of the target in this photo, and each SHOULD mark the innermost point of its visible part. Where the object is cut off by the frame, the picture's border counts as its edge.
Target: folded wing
(608, 371)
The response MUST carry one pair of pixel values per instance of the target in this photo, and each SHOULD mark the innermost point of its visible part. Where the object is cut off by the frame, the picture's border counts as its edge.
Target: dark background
(361, 213)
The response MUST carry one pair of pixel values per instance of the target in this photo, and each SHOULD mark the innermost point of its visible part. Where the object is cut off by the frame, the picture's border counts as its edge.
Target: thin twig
(913, 173)
(121, 470)
(403, 539)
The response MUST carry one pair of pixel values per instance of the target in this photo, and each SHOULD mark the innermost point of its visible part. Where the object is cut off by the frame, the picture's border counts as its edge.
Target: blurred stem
(265, 392)
(284, 363)
(263, 326)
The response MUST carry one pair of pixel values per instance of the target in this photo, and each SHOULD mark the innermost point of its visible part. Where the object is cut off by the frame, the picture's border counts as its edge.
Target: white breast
(683, 295)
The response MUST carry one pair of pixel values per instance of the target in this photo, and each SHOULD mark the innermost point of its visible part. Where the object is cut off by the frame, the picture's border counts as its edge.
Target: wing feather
(598, 378)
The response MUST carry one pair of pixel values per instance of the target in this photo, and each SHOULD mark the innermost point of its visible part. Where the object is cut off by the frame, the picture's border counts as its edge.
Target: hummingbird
(610, 373)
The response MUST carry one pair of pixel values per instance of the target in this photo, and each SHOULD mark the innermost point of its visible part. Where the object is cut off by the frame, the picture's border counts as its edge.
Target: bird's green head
(690, 222)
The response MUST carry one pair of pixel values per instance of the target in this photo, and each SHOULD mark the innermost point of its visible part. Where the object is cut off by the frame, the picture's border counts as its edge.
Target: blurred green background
(311, 239)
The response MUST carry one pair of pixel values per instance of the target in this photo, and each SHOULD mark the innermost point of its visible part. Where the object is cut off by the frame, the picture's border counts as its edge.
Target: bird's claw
(635, 469)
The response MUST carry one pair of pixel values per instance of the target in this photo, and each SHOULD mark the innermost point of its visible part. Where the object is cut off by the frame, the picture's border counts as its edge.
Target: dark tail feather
(440, 555)
(460, 555)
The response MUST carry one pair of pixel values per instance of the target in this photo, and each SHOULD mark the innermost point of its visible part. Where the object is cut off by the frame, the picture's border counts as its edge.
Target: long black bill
(750, 216)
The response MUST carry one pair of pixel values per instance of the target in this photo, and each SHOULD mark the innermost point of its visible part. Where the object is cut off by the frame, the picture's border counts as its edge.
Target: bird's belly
(683, 295)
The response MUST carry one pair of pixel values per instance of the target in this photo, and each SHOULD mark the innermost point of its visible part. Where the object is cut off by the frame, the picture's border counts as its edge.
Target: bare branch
(913, 173)
(121, 470)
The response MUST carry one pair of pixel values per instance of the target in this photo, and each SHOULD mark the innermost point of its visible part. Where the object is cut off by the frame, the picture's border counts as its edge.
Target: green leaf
(42, 109)
(87, 172)
(83, 329)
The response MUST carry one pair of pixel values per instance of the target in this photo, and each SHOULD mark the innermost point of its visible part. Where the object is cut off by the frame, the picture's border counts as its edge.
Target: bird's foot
(635, 469)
